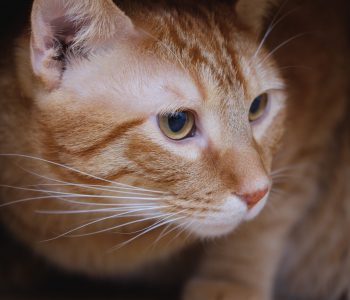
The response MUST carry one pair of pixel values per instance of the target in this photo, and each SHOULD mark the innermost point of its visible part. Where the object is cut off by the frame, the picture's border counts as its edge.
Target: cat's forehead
(133, 89)
(210, 48)
(220, 55)
(185, 60)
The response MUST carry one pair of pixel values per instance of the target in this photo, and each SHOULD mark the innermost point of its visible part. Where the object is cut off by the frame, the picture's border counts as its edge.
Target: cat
(133, 130)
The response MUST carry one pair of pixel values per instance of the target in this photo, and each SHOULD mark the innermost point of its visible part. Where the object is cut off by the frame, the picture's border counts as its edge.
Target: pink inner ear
(83, 25)
(51, 29)
(52, 23)
(64, 29)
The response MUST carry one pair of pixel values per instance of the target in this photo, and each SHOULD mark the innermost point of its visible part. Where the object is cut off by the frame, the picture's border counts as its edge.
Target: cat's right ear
(64, 29)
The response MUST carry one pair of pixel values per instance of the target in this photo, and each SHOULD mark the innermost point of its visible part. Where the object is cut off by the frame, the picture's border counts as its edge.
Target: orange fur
(92, 79)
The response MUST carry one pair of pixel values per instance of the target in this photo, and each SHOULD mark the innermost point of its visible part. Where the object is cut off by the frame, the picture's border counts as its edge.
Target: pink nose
(253, 198)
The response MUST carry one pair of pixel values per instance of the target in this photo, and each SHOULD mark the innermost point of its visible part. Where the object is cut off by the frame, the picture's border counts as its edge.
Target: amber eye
(258, 107)
(178, 125)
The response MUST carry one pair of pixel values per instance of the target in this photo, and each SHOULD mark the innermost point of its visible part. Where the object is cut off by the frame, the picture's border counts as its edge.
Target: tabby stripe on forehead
(117, 132)
(237, 66)
(175, 37)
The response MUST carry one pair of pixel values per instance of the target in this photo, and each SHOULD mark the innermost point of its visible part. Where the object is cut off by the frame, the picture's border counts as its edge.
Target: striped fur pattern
(90, 172)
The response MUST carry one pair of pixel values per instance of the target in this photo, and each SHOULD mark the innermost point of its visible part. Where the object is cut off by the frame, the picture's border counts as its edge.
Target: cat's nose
(253, 198)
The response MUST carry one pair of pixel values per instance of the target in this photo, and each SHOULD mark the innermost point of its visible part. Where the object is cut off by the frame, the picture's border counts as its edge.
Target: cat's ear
(68, 28)
(253, 13)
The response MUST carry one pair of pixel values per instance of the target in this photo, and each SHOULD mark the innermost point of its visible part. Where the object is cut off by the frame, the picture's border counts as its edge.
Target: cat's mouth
(224, 220)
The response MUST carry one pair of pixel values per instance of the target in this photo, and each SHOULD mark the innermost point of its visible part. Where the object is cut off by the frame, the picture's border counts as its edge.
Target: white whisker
(167, 216)
(99, 187)
(283, 44)
(164, 234)
(161, 220)
(101, 210)
(93, 187)
(144, 232)
(91, 223)
(278, 191)
(79, 195)
(288, 168)
(74, 196)
(78, 171)
(185, 227)
(272, 26)
(116, 227)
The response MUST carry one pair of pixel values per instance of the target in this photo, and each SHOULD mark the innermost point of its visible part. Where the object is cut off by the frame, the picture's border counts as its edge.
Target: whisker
(170, 231)
(288, 168)
(91, 223)
(185, 227)
(190, 233)
(101, 210)
(279, 192)
(272, 25)
(283, 44)
(93, 187)
(33, 189)
(78, 171)
(76, 194)
(286, 177)
(143, 233)
(164, 233)
(86, 203)
(161, 235)
(116, 227)
(112, 188)
(169, 215)
(28, 200)
(79, 195)
(61, 196)
(115, 197)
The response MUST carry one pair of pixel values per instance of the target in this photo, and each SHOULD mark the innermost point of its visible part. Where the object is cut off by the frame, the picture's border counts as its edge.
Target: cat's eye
(258, 107)
(178, 125)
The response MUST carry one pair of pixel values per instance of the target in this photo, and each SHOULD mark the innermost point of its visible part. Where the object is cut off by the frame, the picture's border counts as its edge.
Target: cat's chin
(226, 219)
(221, 222)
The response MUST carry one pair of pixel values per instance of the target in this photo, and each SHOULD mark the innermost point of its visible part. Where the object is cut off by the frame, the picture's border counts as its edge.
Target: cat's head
(174, 111)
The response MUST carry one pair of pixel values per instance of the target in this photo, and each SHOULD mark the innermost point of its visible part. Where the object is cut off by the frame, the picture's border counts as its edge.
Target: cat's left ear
(62, 29)
(253, 13)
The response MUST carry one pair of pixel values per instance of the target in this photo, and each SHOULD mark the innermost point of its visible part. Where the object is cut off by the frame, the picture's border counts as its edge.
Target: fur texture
(87, 169)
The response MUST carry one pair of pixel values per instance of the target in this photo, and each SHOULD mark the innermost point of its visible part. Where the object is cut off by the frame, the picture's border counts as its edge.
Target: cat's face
(180, 117)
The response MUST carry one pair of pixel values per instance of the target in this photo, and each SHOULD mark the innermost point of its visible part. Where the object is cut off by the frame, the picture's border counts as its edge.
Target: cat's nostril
(252, 198)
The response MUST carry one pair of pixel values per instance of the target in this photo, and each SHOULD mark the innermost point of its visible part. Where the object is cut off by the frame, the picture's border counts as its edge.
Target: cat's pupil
(254, 108)
(177, 121)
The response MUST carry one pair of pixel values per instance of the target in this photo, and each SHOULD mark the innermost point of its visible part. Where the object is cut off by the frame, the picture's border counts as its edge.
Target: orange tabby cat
(131, 131)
